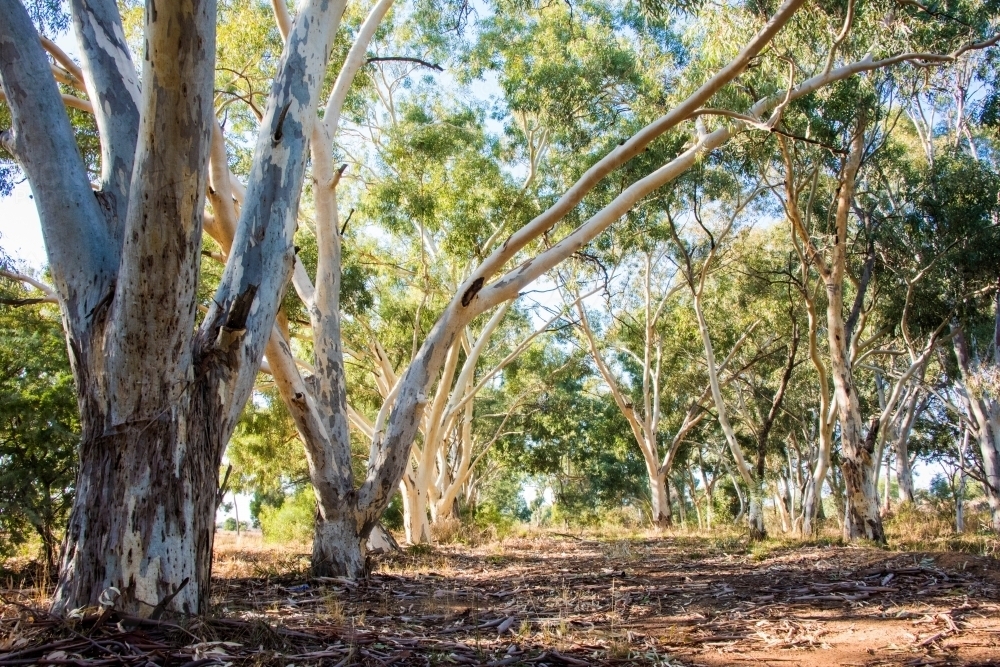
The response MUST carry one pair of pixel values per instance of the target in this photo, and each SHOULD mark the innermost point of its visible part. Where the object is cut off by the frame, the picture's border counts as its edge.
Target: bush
(230, 524)
(39, 428)
(261, 499)
(293, 521)
(392, 518)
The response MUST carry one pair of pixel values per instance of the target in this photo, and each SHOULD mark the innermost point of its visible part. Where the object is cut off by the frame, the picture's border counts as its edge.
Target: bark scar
(473, 290)
(281, 122)
(236, 321)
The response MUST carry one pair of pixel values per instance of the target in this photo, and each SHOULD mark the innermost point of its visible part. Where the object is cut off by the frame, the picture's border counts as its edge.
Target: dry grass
(911, 528)
(248, 556)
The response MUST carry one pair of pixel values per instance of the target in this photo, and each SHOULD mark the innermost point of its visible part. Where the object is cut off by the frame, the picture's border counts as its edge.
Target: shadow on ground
(564, 600)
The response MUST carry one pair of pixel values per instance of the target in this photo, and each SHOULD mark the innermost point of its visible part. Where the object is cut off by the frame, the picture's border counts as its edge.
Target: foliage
(39, 425)
(292, 521)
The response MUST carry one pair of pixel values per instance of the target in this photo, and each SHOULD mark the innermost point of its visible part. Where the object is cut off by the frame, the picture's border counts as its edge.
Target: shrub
(291, 522)
(230, 524)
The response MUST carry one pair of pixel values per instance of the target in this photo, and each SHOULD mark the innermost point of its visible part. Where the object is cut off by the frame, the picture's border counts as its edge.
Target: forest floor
(556, 599)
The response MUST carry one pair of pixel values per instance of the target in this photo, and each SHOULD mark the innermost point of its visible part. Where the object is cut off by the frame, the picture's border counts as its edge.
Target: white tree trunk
(415, 523)
(659, 502)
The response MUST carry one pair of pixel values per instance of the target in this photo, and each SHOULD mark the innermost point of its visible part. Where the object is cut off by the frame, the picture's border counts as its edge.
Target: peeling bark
(338, 551)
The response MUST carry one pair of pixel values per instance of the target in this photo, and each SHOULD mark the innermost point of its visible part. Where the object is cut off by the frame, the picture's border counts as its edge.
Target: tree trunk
(989, 444)
(669, 500)
(985, 413)
(862, 518)
(158, 395)
(694, 499)
(783, 502)
(904, 475)
(839, 497)
(887, 489)
(658, 499)
(160, 476)
(960, 494)
(681, 502)
(415, 523)
(739, 496)
(337, 549)
(755, 515)
(862, 512)
(810, 507)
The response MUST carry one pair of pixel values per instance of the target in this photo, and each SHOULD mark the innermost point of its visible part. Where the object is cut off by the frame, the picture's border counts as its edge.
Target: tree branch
(80, 255)
(50, 294)
(113, 87)
(405, 59)
(161, 253)
(262, 251)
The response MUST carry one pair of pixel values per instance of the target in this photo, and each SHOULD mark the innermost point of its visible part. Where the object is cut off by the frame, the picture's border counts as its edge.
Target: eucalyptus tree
(763, 277)
(955, 214)
(644, 305)
(160, 392)
(571, 437)
(440, 189)
(158, 395)
(955, 217)
(818, 430)
(702, 216)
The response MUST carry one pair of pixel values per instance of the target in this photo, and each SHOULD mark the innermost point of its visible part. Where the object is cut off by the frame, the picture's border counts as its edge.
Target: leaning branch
(49, 292)
(42, 138)
(62, 58)
(403, 59)
(632, 147)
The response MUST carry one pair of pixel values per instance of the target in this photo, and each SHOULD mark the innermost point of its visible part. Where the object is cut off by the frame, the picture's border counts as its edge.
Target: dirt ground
(556, 599)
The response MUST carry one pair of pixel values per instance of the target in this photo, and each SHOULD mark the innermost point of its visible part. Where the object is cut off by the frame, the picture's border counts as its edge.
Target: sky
(20, 231)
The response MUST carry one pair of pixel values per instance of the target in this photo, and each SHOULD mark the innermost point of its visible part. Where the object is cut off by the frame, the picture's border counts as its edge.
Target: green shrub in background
(292, 521)
(392, 518)
(39, 425)
(260, 499)
(230, 524)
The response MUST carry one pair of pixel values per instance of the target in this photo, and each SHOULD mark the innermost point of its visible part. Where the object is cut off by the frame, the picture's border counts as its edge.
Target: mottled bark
(659, 499)
(145, 508)
(144, 514)
(857, 464)
(338, 550)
